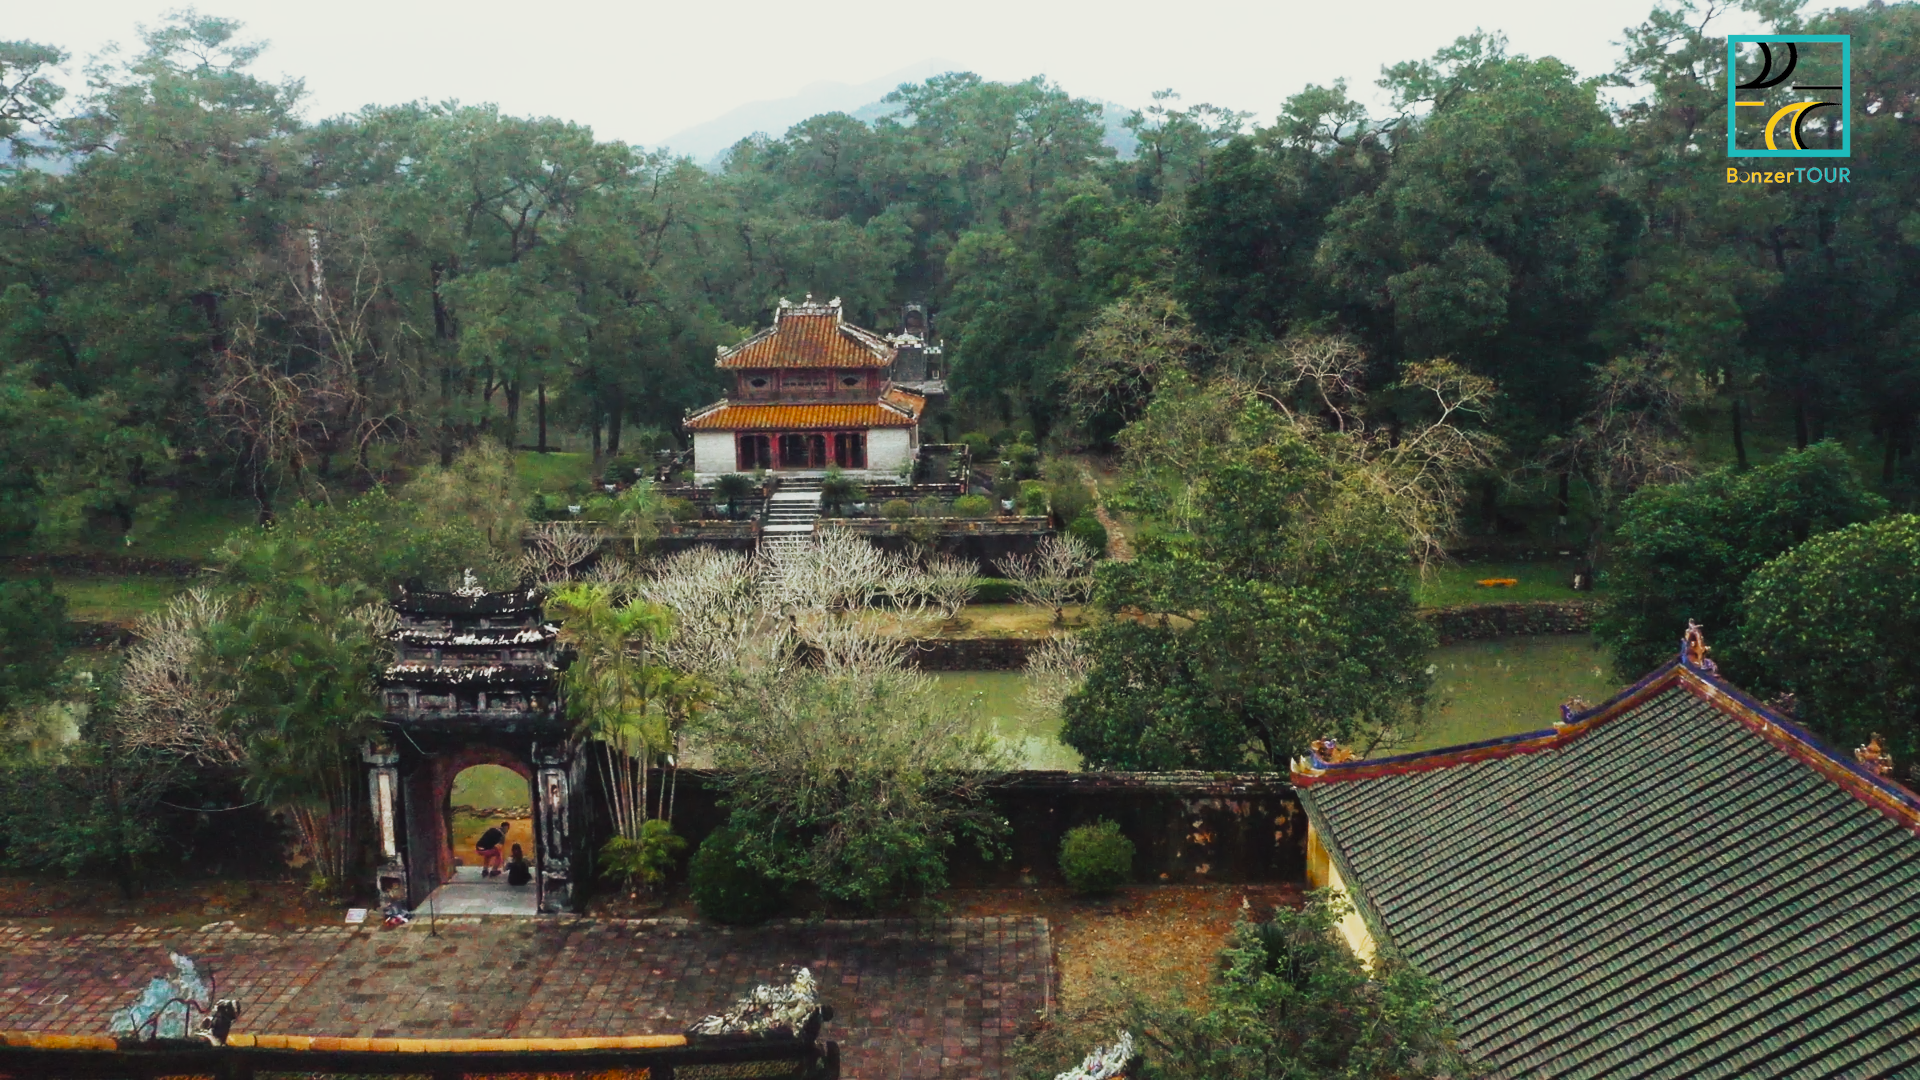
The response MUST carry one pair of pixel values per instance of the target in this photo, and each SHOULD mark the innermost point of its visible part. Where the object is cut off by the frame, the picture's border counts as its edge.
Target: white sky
(642, 71)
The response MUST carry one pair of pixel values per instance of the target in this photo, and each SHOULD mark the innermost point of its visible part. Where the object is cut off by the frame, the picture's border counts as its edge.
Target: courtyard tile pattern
(912, 998)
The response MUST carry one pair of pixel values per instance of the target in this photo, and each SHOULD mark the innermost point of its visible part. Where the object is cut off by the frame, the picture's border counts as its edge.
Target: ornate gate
(476, 677)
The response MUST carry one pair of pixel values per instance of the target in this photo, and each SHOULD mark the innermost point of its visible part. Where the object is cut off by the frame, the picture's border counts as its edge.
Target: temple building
(1680, 882)
(809, 392)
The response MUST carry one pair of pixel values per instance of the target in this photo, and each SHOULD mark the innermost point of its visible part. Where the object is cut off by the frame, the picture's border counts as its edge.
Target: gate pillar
(383, 790)
(553, 802)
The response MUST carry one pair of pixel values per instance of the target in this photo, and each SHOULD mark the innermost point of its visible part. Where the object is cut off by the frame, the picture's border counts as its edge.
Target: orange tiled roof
(809, 335)
(725, 417)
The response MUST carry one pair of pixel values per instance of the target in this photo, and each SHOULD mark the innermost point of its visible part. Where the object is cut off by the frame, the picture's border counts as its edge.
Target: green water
(1036, 742)
(1486, 689)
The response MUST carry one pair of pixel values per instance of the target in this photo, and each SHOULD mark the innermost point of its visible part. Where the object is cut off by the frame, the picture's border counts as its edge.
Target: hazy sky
(643, 71)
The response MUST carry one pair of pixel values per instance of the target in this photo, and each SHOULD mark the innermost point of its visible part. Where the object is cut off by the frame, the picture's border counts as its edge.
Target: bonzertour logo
(1789, 95)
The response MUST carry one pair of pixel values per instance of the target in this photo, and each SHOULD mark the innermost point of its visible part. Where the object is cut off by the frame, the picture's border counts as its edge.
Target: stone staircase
(790, 515)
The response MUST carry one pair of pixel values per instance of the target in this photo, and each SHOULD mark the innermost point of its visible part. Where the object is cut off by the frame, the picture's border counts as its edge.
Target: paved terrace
(912, 998)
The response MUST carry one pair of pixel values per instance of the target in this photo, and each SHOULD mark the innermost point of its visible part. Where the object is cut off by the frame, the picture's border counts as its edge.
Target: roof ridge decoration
(859, 347)
(1691, 671)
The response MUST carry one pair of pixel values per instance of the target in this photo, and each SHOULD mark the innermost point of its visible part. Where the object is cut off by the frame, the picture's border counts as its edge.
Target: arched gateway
(476, 682)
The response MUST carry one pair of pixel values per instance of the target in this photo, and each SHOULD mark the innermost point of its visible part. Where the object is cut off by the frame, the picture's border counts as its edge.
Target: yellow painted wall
(1323, 874)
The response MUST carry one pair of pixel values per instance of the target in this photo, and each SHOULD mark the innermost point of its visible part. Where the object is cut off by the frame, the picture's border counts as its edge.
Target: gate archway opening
(482, 797)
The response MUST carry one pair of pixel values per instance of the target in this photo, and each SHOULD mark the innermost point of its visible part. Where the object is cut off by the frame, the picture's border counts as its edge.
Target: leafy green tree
(1836, 622)
(1284, 613)
(855, 781)
(1685, 551)
(1290, 1002)
(33, 640)
(1494, 234)
(298, 655)
(618, 696)
(377, 541)
(27, 95)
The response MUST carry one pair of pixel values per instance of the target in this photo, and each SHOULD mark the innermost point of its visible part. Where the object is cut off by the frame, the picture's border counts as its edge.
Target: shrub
(681, 509)
(725, 888)
(1005, 486)
(896, 509)
(997, 591)
(978, 445)
(647, 860)
(620, 469)
(734, 487)
(1023, 459)
(1033, 498)
(972, 506)
(1087, 529)
(1096, 859)
(930, 507)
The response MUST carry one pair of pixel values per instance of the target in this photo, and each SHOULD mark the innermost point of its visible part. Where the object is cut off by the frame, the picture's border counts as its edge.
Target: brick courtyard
(913, 998)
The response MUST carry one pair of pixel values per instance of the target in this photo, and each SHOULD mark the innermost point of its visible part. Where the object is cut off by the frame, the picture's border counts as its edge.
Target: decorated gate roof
(1681, 882)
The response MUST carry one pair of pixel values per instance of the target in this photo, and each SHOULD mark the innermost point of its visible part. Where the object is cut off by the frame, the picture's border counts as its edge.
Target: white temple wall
(713, 455)
(887, 450)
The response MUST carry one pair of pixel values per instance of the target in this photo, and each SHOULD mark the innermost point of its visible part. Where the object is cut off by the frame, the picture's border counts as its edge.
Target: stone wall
(972, 654)
(1477, 622)
(985, 540)
(1185, 826)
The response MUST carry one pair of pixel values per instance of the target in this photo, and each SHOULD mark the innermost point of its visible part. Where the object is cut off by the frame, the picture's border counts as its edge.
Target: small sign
(356, 916)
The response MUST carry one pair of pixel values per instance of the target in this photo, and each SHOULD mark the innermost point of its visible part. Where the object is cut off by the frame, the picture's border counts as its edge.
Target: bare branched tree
(555, 552)
(163, 706)
(1055, 670)
(722, 622)
(1057, 572)
(1124, 353)
(949, 584)
(1632, 436)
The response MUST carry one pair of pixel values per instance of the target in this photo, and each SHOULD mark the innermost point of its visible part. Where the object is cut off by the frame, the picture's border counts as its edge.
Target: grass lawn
(115, 599)
(1452, 586)
(1507, 686)
(552, 473)
(197, 523)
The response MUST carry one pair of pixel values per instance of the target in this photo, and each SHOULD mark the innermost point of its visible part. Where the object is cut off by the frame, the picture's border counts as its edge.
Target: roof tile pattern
(809, 336)
(1667, 894)
(800, 418)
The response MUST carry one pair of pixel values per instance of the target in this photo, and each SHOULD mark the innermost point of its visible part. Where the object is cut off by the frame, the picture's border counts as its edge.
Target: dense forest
(199, 284)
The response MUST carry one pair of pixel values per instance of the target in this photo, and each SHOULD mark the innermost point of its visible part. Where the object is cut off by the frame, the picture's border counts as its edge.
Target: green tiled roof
(1687, 887)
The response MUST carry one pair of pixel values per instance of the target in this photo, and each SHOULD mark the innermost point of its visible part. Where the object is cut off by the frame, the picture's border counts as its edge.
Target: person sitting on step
(518, 873)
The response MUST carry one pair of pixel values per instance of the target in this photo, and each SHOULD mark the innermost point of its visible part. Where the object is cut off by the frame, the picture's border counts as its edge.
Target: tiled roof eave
(1785, 735)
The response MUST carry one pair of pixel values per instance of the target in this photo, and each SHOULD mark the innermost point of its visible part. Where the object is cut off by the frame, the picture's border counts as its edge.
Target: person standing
(489, 847)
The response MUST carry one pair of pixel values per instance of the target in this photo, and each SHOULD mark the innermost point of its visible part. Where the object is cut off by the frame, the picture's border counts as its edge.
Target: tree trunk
(542, 408)
(446, 417)
(613, 426)
(262, 498)
(513, 413)
(1739, 438)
